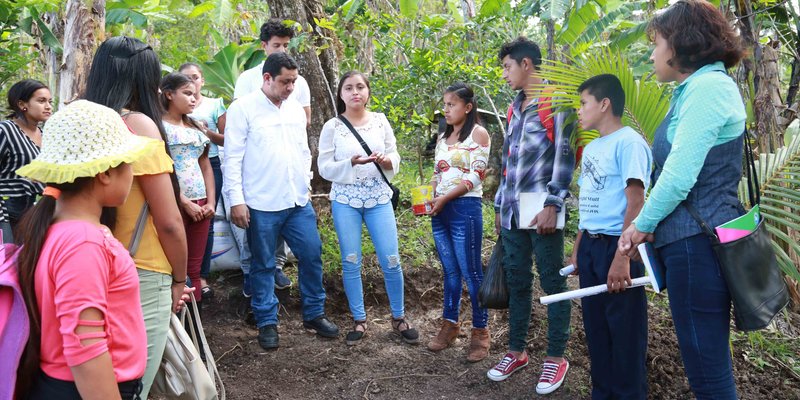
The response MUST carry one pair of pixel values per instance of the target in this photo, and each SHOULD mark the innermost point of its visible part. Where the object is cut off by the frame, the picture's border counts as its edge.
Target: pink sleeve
(81, 282)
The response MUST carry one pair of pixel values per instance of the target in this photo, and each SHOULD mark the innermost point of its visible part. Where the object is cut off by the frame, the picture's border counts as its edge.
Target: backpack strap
(545, 111)
(545, 116)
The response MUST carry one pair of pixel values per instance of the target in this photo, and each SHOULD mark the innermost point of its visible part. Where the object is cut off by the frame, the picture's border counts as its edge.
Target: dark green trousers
(520, 247)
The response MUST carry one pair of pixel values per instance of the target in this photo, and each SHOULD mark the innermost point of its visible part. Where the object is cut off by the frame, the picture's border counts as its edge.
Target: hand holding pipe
(653, 278)
(590, 291)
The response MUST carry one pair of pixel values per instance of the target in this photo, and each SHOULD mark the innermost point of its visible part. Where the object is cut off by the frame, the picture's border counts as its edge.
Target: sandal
(408, 334)
(207, 292)
(354, 337)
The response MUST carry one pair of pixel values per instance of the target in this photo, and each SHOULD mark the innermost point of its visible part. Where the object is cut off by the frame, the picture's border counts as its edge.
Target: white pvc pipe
(589, 291)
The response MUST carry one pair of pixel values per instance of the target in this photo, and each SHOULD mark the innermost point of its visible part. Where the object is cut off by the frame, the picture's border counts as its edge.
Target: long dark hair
(31, 234)
(173, 82)
(189, 65)
(340, 106)
(466, 94)
(125, 74)
(22, 91)
(698, 33)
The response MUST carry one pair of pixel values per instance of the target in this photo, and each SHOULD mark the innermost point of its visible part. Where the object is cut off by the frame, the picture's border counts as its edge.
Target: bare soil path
(382, 367)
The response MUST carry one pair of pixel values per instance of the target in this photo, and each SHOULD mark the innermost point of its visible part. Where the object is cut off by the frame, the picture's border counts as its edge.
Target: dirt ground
(382, 367)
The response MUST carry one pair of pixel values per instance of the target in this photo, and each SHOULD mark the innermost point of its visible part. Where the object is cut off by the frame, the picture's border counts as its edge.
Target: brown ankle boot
(447, 335)
(479, 345)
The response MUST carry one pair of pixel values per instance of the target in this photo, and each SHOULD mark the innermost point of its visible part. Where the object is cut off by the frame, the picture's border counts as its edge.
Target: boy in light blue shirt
(615, 170)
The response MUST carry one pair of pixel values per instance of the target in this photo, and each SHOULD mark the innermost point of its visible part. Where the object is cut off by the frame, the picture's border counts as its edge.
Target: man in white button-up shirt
(267, 171)
(275, 37)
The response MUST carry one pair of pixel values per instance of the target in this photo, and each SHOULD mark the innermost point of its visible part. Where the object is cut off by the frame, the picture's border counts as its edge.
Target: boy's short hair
(606, 86)
(275, 62)
(521, 48)
(275, 27)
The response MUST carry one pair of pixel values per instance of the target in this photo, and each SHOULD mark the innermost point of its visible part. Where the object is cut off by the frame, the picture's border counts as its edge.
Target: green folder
(739, 227)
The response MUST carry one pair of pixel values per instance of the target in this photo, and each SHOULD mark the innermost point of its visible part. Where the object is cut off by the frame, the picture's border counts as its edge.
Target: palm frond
(646, 102)
(779, 180)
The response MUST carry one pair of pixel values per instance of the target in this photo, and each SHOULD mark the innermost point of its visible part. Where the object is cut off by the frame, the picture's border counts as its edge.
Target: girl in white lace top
(359, 195)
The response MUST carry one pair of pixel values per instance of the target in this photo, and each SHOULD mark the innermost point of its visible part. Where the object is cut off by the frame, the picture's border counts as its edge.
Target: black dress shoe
(268, 337)
(322, 327)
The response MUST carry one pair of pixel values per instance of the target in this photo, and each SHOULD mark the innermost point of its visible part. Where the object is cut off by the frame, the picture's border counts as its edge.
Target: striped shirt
(532, 163)
(16, 150)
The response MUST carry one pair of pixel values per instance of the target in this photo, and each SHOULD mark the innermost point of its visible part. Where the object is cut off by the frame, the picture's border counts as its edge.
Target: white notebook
(531, 204)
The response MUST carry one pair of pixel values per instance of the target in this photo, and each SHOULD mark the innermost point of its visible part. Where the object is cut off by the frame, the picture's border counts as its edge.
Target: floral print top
(186, 145)
(462, 162)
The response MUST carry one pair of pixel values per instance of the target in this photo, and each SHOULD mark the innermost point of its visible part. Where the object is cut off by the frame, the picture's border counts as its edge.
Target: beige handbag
(182, 374)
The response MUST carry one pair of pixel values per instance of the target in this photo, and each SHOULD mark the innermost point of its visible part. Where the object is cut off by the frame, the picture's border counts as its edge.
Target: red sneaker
(552, 377)
(507, 366)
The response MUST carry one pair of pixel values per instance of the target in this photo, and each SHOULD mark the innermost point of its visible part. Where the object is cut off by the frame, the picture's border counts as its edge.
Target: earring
(24, 109)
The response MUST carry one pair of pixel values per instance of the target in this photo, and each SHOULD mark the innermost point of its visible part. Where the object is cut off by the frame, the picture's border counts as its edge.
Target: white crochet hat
(84, 139)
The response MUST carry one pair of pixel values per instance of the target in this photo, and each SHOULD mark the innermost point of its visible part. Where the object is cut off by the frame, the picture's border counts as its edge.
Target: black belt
(598, 235)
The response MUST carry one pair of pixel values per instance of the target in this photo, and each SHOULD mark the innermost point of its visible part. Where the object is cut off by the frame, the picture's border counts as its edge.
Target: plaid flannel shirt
(531, 162)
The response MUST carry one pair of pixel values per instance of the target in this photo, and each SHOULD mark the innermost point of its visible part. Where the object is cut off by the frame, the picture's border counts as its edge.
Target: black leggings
(48, 388)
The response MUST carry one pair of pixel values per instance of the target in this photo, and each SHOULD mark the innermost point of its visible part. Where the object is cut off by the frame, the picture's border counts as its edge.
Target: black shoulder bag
(395, 190)
(748, 264)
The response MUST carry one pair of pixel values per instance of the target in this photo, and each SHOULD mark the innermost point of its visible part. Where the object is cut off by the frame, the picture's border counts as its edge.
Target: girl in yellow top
(124, 76)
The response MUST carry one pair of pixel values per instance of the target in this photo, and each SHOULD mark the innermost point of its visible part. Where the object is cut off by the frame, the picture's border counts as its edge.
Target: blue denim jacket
(714, 195)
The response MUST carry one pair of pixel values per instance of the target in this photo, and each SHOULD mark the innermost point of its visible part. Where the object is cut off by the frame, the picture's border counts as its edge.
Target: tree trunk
(794, 83)
(744, 12)
(321, 71)
(83, 32)
(51, 57)
(468, 9)
(551, 39)
(768, 101)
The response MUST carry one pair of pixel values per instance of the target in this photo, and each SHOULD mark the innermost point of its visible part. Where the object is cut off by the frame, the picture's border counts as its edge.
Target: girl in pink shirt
(87, 336)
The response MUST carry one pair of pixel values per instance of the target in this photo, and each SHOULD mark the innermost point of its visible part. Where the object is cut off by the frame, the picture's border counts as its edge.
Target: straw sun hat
(84, 139)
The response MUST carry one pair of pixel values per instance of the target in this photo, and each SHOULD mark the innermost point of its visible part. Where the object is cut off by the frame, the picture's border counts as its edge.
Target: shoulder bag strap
(363, 144)
(700, 221)
(138, 230)
(198, 336)
(753, 189)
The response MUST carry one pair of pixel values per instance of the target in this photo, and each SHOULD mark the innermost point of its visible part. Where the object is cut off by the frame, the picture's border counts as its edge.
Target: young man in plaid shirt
(535, 159)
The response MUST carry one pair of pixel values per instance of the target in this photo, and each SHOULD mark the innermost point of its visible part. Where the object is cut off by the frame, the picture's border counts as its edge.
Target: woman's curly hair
(698, 33)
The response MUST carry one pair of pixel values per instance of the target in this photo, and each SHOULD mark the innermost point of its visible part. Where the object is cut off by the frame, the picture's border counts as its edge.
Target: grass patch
(769, 350)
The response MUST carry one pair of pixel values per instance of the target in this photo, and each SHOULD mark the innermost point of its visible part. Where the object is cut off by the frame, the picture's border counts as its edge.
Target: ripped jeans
(382, 229)
(458, 235)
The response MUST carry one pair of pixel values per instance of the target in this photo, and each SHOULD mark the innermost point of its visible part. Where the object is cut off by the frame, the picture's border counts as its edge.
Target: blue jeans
(240, 236)
(205, 267)
(615, 325)
(298, 226)
(458, 235)
(701, 309)
(382, 229)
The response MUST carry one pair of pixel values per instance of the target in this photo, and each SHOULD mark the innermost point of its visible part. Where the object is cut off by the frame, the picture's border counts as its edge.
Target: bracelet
(176, 282)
